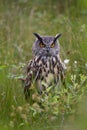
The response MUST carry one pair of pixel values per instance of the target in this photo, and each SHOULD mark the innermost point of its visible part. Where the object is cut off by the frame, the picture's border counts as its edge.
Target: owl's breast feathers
(41, 68)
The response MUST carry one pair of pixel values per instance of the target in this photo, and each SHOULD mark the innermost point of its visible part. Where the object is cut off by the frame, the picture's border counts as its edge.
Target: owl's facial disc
(47, 49)
(46, 45)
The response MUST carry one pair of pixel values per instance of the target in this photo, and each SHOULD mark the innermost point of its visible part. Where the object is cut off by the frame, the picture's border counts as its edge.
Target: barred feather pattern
(42, 68)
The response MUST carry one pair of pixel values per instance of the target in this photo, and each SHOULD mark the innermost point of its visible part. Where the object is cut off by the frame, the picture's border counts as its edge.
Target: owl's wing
(61, 69)
(32, 73)
(27, 81)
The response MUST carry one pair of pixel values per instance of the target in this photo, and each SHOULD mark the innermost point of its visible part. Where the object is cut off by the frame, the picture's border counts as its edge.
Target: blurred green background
(18, 20)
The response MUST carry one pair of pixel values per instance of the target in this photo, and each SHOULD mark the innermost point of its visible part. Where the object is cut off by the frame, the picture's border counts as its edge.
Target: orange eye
(42, 45)
(52, 45)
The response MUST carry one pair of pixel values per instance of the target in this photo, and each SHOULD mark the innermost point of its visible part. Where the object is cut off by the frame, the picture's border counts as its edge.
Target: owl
(46, 68)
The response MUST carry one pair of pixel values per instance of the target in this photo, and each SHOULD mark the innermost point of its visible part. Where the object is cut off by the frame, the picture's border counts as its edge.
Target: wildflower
(66, 61)
(83, 27)
(19, 108)
(85, 64)
(11, 123)
(75, 62)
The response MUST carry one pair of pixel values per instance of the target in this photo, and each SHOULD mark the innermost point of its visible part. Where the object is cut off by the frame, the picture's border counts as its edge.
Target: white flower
(86, 65)
(75, 62)
(66, 61)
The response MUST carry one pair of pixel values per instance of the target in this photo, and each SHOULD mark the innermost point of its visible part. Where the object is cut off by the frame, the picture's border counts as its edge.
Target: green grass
(18, 21)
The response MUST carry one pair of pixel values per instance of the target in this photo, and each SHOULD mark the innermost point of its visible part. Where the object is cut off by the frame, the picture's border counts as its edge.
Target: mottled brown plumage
(46, 68)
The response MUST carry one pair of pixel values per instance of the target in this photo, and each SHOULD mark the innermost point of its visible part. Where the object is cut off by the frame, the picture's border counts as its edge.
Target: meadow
(65, 108)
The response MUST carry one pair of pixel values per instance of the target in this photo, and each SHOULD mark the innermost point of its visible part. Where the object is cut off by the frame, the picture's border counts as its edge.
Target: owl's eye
(42, 45)
(52, 45)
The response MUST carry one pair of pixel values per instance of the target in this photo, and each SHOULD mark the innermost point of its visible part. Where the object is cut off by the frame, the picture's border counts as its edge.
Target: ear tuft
(38, 36)
(57, 36)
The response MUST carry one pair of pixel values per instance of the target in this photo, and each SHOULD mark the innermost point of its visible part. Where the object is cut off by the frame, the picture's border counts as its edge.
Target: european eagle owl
(46, 67)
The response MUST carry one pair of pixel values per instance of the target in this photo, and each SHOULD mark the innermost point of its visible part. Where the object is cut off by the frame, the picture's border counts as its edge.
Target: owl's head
(46, 45)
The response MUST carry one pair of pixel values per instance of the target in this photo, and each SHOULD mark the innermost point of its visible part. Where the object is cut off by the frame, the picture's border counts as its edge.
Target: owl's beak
(48, 50)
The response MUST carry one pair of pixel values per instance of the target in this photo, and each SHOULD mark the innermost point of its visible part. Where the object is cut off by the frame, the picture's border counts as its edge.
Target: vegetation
(60, 109)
